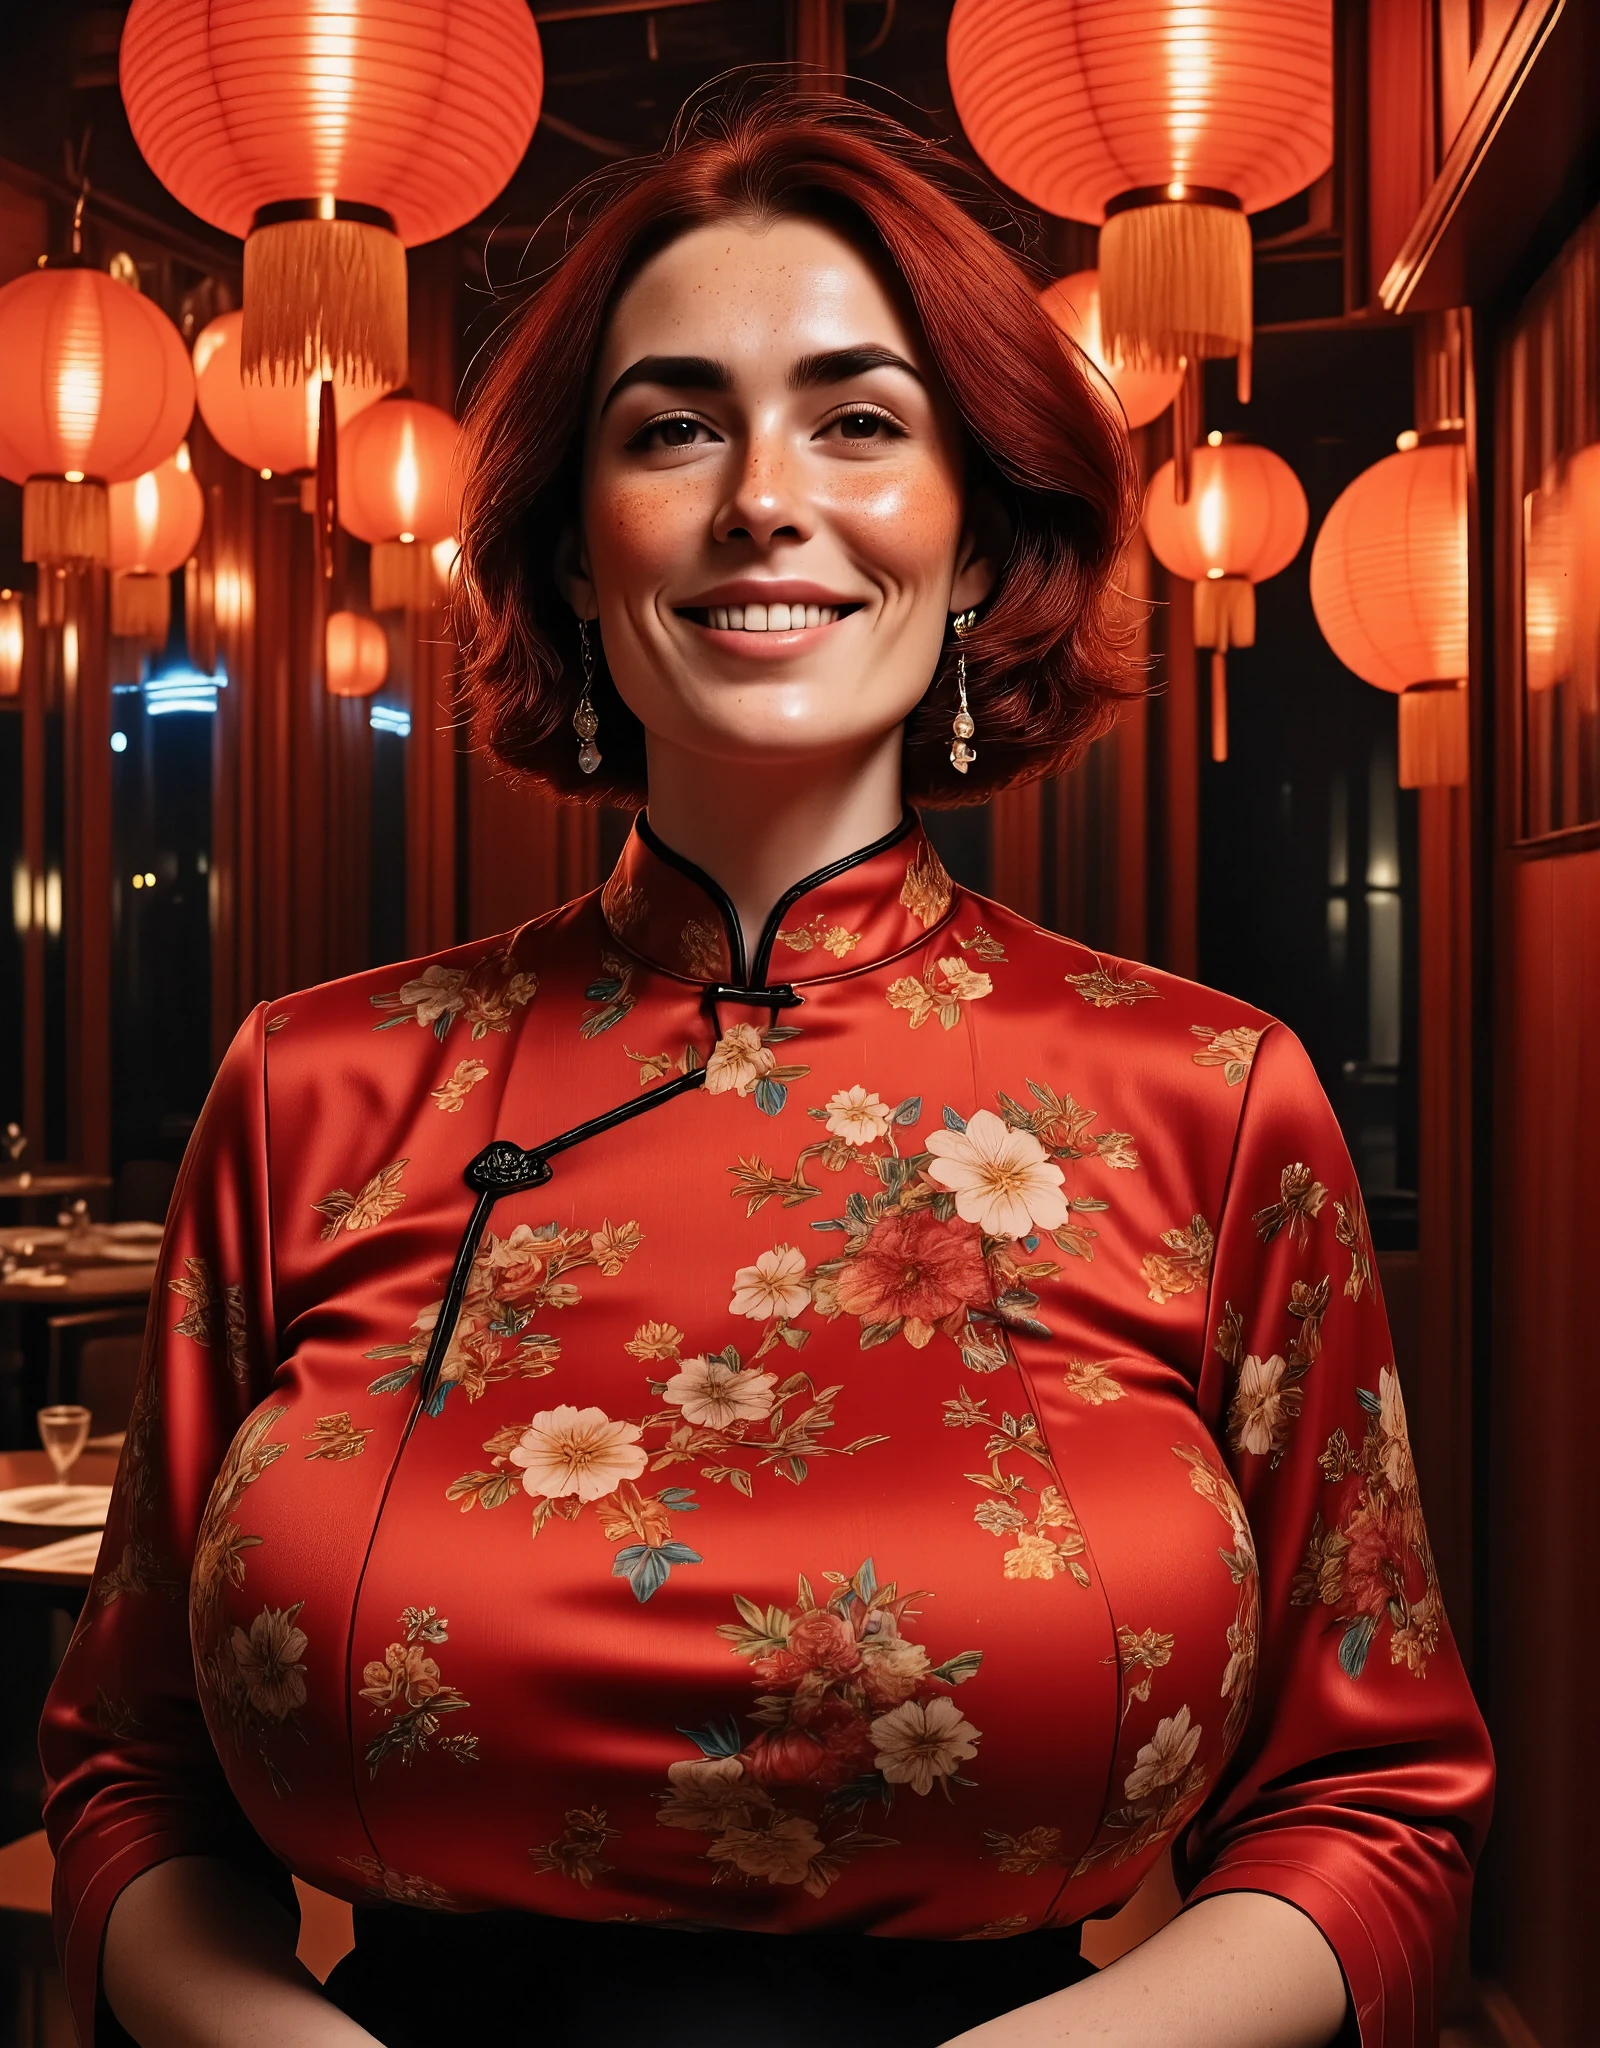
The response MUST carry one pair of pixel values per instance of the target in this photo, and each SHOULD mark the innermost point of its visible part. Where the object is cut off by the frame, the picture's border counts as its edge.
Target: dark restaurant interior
(1359, 786)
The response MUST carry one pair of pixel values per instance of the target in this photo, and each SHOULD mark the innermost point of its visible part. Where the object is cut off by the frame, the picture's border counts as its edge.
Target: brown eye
(861, 426)
(677, 433)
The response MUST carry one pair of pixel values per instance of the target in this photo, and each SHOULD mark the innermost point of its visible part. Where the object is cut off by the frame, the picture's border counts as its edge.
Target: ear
(984, 544)
(572, 575)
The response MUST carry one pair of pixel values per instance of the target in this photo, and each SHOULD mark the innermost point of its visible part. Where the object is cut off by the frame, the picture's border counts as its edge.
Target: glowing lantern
(331, 135)
(357, 655)
(398, 489)
(10, 644)
(95, 388)
(272, 428)
(155, 522)
(1561, 580)
(1389, 588)
(1169, 123)
(1243, 521)
(1073, 303)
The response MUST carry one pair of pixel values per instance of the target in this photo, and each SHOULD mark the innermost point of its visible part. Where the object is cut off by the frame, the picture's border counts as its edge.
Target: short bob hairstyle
(1045, 660)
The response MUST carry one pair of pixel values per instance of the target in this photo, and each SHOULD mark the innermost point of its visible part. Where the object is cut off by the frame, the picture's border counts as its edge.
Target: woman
(942, 1368)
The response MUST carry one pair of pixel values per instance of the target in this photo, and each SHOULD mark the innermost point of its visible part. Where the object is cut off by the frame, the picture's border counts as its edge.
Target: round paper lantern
(272, 428)
(1561, 580)
(10, 644)
(1243, 521)
(1389, 588)
(155, 522)
(331, 136)
(1168, 123)
(357, 655)
(1073, 303)
(95, 387)
(399, 489)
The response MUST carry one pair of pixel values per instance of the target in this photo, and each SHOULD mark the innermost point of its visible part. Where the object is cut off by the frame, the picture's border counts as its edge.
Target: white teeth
(769, 618)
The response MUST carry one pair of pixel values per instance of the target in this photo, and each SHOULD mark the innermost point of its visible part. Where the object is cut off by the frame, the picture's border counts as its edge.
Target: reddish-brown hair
(1044, 661)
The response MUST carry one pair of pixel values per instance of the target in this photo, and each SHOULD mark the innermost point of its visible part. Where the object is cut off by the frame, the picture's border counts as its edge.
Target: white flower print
(1165, 1758)
(714, 1395)
(1258, 1404)
(577, 1450)
(857, 1117)
(775, 1285)
(1003, 1180)
(921, 1742)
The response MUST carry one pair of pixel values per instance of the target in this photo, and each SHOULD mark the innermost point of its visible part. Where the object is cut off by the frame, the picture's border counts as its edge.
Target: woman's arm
(196, 1956)
(1241, 1970)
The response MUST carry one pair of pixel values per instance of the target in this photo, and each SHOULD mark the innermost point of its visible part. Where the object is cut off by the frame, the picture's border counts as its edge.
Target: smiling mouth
(766, 618)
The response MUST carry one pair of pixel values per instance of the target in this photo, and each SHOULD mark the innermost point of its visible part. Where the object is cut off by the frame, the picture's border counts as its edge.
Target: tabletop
(31, 1186)
(80, 1286)
(33, 1468)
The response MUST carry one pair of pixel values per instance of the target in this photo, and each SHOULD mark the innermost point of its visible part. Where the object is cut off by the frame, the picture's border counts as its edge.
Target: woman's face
(774, 527)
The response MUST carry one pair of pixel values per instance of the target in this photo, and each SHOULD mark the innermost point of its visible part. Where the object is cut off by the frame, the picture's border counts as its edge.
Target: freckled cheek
(908, 528)
(637, 535)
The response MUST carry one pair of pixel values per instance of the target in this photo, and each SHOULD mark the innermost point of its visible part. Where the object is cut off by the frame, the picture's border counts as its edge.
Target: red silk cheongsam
(911, 1436)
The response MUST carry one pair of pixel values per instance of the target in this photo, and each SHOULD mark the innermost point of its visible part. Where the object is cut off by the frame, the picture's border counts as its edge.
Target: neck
(756, 830)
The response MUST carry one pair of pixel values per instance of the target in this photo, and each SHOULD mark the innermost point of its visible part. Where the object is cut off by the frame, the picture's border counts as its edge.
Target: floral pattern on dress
(820, 931)
(1046, 1541)
(1213, 1484)
(612, 990)
(1371, 1560)
(368, 1207)
(451, 1096)
(655, 1066)
(404, 1689)
(623, 905)
(700, 948)
(511, 1280)
(850, 1711)
(1267, 1392)
(940, 992)
(1351, 1231)
(743, 1062)
(1162, 1791)
(1300, 1199)
(214, 1313)
(1183, 1266)
(253, 1679)
(336, 1439)
(398, 1887)
(927, 889)
(1106, 987)
(718, 1413)
(485, 996)
(1233, 1050)
(577, 1852)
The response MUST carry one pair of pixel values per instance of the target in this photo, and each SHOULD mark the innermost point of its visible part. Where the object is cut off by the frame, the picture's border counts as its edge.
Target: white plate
(56, 1507)
(74, 1554)
(134, 1233)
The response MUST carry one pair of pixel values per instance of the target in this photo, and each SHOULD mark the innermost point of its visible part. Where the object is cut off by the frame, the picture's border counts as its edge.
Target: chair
(94, 1359)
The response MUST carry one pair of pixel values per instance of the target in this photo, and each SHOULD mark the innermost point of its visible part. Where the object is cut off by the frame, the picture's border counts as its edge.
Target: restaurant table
(50, 1185)
(26, 1308)
(37, 1612)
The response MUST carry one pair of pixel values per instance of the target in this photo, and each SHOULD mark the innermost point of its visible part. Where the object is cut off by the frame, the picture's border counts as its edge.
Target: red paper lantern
(155, 522)
(399, 489)
(356, 651)
(1073, 303)
(332, 135)
(1169, 123)
(11, 629)
(95, 387)
(1243, 521)
(272, 428)
(1389, 588)
(1561, 580)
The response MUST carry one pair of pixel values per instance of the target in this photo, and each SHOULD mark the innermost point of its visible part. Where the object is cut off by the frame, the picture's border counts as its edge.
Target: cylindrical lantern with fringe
(399, 489)
(1167, 123)
(1243, 521)
(331, 137)
(1073, 303)
(356, 655)
(155, 522)
(1389, 588)
(272, 428)
(11, 630)
(95, 388)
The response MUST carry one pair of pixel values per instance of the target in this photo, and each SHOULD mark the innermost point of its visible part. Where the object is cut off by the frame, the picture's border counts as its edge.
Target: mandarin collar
(874, 904)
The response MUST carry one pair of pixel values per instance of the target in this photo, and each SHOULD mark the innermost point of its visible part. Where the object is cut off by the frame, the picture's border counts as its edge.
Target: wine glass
(63, 1430)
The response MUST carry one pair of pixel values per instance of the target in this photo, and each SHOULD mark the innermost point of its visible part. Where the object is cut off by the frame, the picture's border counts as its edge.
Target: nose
(766, 501)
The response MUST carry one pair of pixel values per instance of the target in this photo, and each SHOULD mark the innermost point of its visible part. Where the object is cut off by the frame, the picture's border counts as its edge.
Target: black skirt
(415, 1980)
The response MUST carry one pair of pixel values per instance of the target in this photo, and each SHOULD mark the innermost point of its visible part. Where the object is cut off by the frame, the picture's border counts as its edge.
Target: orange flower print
(1107, 986)
(1184, 1266)
(927, 889)
(916, 1270)
(453, 1094)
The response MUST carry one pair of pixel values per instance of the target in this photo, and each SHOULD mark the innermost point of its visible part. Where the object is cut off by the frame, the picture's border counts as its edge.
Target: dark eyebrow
(839, 365)
(682, 373)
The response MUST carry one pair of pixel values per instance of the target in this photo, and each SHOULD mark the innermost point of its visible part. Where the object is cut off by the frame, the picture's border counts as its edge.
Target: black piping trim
(742, 975)
(769, 931)
(507, 1168)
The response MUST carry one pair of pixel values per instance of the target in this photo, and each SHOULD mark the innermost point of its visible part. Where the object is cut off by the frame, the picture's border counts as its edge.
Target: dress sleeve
(131, 1775)
(1361, 1787)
